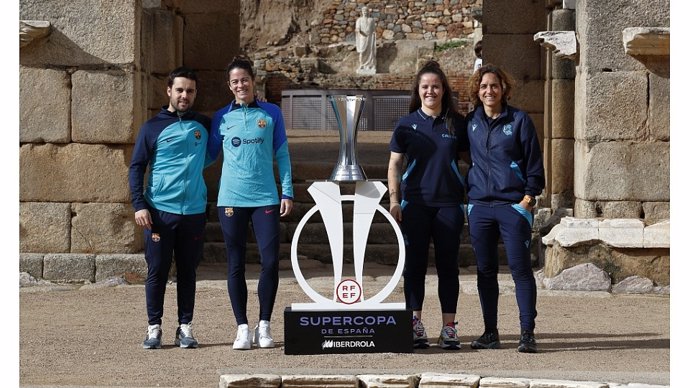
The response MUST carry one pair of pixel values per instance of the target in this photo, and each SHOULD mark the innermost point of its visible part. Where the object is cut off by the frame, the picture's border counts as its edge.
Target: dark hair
(183, 72)
(476, 79)
(448, 107)
(240, 62)
(447, 101)
(478, 49)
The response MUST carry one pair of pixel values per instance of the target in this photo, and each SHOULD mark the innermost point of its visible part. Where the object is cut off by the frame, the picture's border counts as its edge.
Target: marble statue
(365, 33)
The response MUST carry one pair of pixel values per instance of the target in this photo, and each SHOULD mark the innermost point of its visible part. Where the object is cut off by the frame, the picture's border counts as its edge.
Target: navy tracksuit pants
(234, 222)
(513, 224)
(181, 236)
(420, 224)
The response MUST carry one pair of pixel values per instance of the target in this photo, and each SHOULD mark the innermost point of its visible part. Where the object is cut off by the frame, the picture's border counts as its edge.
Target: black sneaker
(488, 340)
(527, 342)
(184, 337)
(153, 337)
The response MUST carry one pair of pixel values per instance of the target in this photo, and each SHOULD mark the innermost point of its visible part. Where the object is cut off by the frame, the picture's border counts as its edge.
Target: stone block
(249, 381)
(619, 263)
(528, 96)
(157, 95)
(615, 106)
(430, 380)
(562, 165)
(105, 228)
(600, 28)
(532, 17)
(44, 227)
(633, 285)
(31, 263)
(105, 106)
(211, 40)
(563, 68)
(500, 382)
(622, 233)
(580, 108)
(325, 381)
(213, 91)
(388, 381)
(44, 119)
(132, 268)
(656, 211)
(537, 383)
(73, 173)
(659, 107)
(562, 108)
(518, 54)
(582, 277)
(621, 209)
(69, 267)
(84, 33)
(586, 209)
(658, 235)
(563, 20)
(573, 232)
(622, 171)
(162, 35)
(563, 200)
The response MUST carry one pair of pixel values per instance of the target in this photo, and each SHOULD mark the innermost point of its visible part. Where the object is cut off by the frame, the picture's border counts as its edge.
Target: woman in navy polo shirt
(427, 198)
(506, 175)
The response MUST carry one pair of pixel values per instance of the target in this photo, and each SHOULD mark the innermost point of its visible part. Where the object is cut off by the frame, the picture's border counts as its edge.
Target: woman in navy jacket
(427, 199)
(505, 176)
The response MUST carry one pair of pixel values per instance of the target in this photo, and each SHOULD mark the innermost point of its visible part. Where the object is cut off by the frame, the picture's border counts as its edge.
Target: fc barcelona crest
(229, 211)
(261, 123)
(197, 134)
(155, 237)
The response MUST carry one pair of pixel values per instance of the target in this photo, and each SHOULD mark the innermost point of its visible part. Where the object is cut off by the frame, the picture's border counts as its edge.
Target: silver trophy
(348, 110)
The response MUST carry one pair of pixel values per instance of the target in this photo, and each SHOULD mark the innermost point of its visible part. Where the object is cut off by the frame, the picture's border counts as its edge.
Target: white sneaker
(153, 337)
(242, 341)
(184, 337)
(262, 335)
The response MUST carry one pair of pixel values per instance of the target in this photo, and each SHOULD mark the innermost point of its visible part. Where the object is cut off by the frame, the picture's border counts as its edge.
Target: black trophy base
(348, 331)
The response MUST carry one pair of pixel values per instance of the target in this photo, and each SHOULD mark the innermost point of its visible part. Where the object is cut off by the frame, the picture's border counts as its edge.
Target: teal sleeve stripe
(409, 170)
(516, 170)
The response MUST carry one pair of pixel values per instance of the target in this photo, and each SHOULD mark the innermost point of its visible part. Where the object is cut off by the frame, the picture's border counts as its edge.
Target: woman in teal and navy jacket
(505, 176)
(251, 135)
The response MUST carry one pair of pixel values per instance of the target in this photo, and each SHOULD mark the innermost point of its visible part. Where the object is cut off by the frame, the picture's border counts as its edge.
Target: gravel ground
(92, 337)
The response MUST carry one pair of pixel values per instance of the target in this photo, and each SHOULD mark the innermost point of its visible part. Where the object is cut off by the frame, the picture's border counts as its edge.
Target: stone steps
(214, 252)
(382, 245)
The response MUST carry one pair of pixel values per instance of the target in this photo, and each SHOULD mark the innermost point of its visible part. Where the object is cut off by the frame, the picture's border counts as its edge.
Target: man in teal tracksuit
(172, 206)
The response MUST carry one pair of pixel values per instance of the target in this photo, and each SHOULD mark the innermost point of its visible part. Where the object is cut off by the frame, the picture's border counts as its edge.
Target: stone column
(562, 103)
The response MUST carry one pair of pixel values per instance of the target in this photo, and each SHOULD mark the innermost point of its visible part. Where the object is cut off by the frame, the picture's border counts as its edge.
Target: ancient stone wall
(85, 89)
(313, 47)
(621, 153)
(397, 20)
(613, 160)
(81, 102)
